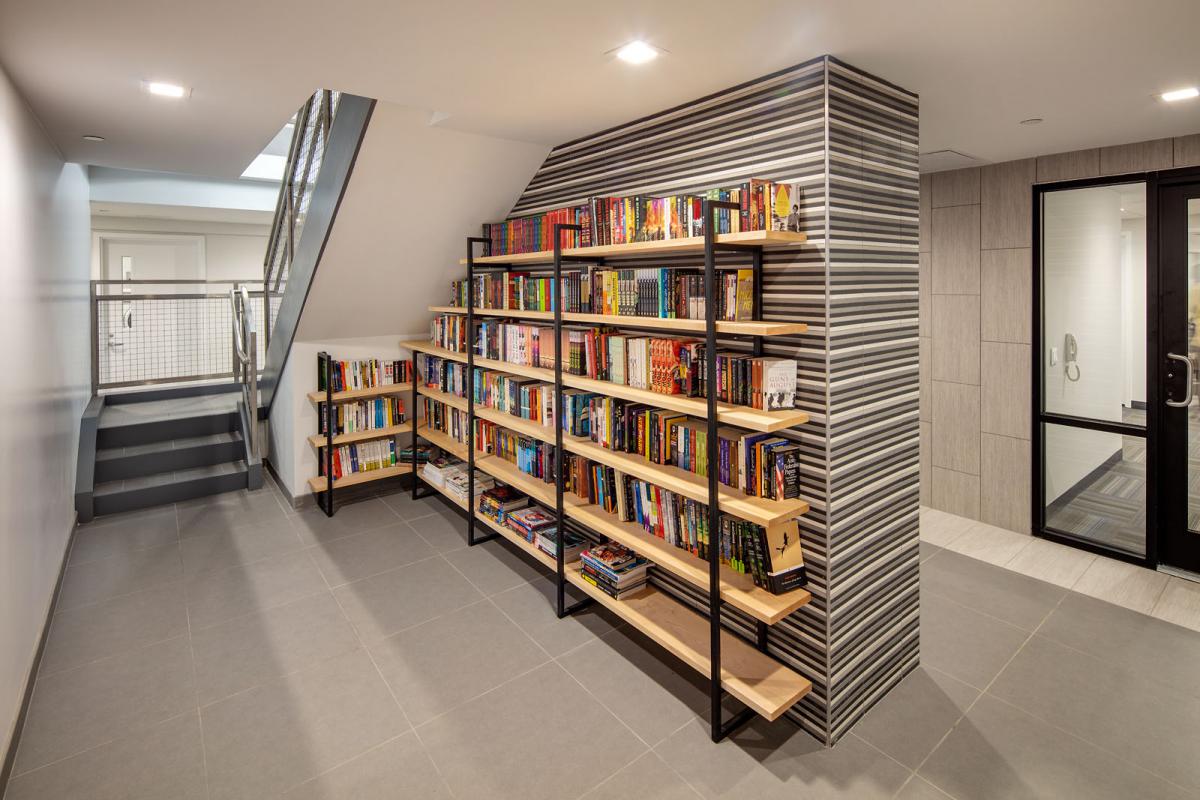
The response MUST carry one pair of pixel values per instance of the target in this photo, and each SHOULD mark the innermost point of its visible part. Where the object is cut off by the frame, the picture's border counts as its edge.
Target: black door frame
(1177, 548)
(1039, 418)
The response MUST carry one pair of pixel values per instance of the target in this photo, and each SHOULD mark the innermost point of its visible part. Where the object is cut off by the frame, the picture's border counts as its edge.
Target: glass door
(1091, 408)
(1179, 258)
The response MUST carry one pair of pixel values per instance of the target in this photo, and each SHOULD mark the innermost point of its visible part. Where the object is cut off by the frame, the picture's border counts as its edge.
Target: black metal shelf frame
(720, 727)
(325, 499)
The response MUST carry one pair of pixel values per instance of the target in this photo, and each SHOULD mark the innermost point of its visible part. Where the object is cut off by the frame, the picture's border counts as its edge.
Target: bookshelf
(734, 666)
(325, 485)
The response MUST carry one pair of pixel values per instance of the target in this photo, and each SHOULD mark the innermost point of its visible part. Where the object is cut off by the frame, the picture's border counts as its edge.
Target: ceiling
(537, 70)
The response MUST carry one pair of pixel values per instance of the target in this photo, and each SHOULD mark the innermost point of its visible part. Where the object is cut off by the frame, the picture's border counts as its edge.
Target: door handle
(1190, 366)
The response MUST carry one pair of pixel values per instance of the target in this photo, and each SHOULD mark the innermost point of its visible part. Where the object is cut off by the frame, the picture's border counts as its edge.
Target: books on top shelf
(659, 292)
(642, 218)
(362, 415)
(615, 570)
(363, 373)
(361, 457)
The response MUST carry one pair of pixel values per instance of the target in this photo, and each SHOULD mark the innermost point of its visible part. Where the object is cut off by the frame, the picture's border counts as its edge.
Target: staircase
(151, 450)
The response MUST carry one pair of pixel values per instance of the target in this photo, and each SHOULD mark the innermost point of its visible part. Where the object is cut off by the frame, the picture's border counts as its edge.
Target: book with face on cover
(785, 207)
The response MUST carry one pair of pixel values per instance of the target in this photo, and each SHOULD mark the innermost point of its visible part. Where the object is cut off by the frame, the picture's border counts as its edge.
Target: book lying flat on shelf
(499, 501)
(615, 570)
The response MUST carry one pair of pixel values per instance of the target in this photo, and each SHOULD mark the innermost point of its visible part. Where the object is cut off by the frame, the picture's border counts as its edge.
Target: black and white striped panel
(776, 128)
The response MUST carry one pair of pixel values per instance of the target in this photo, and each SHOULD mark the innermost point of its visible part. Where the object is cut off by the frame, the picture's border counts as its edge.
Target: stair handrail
(245, 357)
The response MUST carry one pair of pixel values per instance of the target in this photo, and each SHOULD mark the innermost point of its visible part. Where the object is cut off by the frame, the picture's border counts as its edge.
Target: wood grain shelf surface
(317, 484)
(452, 400)
(739, 328)
(444, 441)
(740, 416)
(318, 440)
(362, 394)
(691, 244)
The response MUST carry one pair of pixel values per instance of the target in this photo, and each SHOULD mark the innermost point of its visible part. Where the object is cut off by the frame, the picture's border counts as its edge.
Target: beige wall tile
(1137, 157)
(956, 338)
(1187, 150)
(924, 293)
(926, 241)
(958, 187)
(1051, 562)
(956, 429)
(956, 493)
(1005, 388)
(1004, 479)
(1122, 584)
(925, 351)
(1006, 295)
(1006, 204)
(926, 463)
(940, 529)
(1068, 166)
(955, 250)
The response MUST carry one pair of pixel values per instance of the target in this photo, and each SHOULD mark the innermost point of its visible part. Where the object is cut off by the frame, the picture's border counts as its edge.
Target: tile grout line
(196, 693)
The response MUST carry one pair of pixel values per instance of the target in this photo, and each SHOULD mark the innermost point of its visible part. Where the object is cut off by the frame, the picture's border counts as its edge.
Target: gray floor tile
(531, 606)
(282, 733)
(223, 549)
(1142, 645)
(402, 504)
(778, 761)
(1118, 710)
(495, 566)
(430, 671)
(484, 748)
(445, 529)
(80, 708)
(164, 761)
(913, 718)
(364, 554)
(999, 752)
(314, 527)
(920, 789)
(251, 649)
(963, 643)
(384, 604)
(216, 596)
(363, 515)
(649, 690)
(103, 629)
(929, 551)
(647, 778)
(1017, 599)
(224, 512)
(130, 533)
(119, 574)
(397, 769)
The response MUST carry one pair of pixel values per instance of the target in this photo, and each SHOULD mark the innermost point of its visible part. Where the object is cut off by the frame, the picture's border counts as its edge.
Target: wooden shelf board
(317, 440)
(317, 484)
(742, 328)
(362, 394)
(739, 416)
(443, 397)
(758, 680)
(443, 441)
(662, 247)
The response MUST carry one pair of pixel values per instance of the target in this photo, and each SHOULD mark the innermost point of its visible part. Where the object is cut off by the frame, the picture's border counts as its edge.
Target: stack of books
(457, 484)
(423, 453)
(365, 373)
(573, 544)
(498, 501)
(437, 468)
(531, 522)
(615, 570)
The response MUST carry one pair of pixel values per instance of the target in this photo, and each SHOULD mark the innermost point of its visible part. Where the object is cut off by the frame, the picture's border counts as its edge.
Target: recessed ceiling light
(637, 52)
(1032, 121)
(166, 89)
(91, 137)
(1180, 94)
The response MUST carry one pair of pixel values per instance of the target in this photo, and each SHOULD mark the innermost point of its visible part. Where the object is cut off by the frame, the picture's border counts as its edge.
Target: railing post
(95, 315)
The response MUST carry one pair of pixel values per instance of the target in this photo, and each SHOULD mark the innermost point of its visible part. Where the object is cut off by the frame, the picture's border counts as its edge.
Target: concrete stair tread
(162, 479)
(121, 414)
(167, 445)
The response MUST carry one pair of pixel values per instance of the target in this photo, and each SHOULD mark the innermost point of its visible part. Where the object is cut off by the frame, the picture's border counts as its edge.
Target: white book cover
(779, 383)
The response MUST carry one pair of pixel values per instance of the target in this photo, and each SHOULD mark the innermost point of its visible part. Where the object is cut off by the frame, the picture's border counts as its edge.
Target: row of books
(362, 415)
(661, 292)
(363, 373)
(361, 457)
(665, 365)
(763, 205)
(454, 423)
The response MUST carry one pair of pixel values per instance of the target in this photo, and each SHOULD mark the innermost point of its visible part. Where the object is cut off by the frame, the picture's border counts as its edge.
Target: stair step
(171, 455)
(112, 497)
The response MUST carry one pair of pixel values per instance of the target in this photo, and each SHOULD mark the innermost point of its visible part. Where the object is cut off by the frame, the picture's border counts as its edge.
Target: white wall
(232, 251)
(165, 188)
(1083, 284)
(44, 247)
(294, 416)
(1133, 271)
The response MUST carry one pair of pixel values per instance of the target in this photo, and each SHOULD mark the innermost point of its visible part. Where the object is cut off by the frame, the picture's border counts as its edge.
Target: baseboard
(10, 756)
(348, 495)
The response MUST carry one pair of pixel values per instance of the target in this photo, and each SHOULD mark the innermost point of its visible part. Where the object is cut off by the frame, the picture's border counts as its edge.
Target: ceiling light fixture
(1180, 94)
(1032, 121)
(637, 52)
(91, 137)
(166, 89)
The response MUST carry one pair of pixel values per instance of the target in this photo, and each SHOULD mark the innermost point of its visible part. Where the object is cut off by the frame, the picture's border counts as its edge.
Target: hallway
(231, 648)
